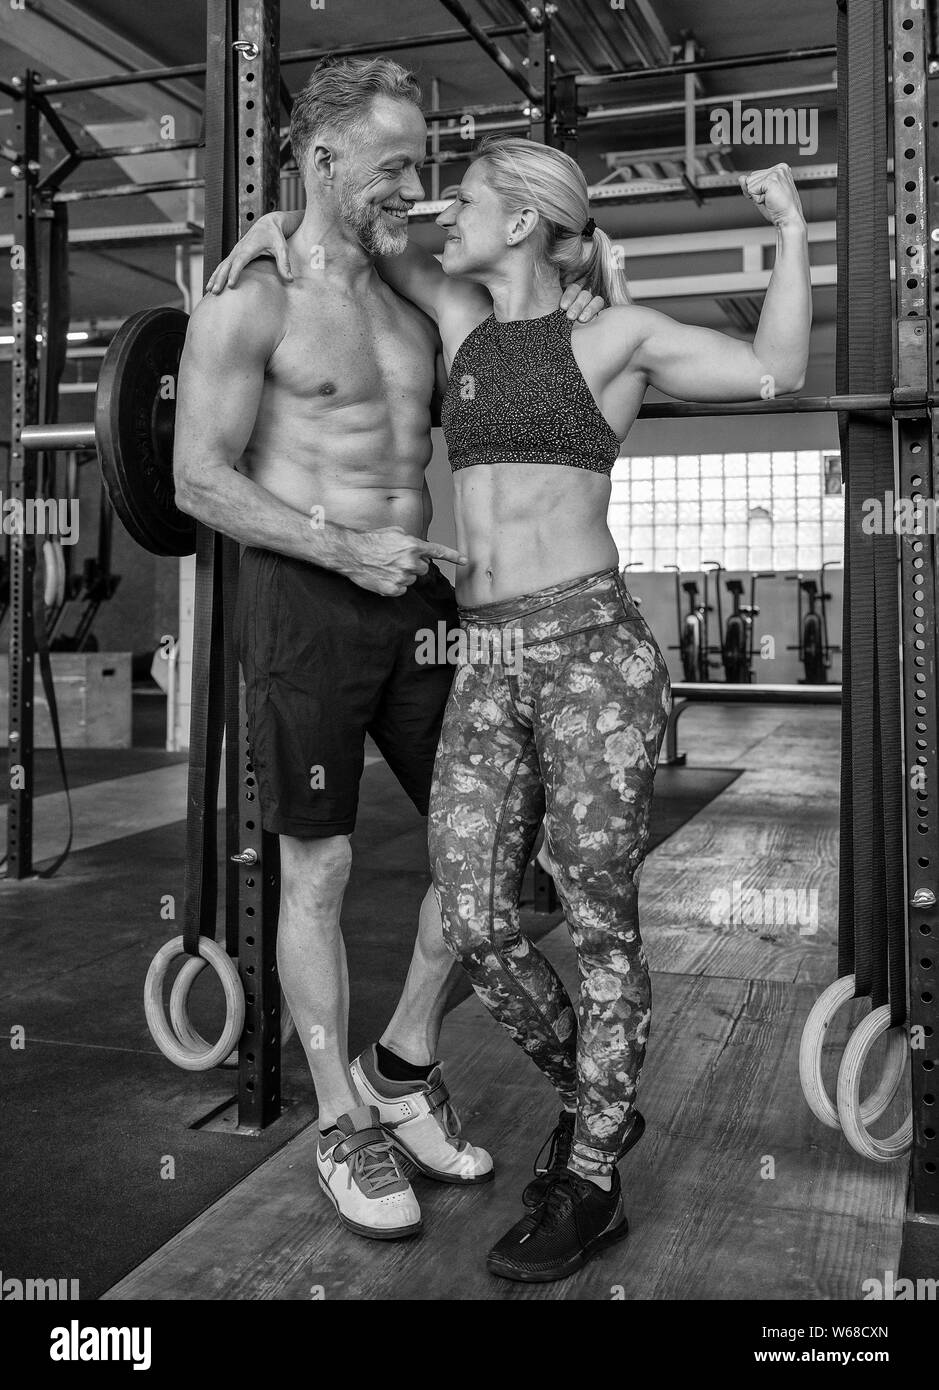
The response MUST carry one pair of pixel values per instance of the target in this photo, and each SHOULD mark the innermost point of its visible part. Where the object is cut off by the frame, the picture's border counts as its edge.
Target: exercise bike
(737, 641)
(692, 628)
(812, 626)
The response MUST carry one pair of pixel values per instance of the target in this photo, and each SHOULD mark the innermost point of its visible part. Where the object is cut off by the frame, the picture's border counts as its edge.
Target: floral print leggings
(557, 711)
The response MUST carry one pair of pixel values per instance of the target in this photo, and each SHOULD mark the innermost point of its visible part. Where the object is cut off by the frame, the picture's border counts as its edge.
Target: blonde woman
(559, 704)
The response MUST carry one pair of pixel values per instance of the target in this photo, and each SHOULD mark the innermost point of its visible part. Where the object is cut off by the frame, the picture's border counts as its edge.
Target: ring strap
(214, 668)
(871, 929)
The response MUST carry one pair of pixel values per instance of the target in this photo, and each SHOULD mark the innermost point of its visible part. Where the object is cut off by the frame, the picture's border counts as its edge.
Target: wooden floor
(736, 1191)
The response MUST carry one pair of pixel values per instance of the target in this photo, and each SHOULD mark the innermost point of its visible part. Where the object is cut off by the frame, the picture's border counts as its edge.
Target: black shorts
(326, 662)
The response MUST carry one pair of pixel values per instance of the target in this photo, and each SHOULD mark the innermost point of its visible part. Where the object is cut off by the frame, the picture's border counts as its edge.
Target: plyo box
(93, 695)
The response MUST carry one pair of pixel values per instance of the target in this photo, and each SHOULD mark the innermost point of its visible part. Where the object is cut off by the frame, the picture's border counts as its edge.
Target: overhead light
(7, 340)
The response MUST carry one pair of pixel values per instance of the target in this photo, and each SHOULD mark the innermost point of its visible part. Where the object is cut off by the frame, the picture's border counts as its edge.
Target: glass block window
(757, 511)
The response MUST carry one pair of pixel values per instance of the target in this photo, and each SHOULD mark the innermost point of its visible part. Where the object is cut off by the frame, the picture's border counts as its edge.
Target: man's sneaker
(359, 1172)
(559, 1144)
(573, 1221)
(422, 1122)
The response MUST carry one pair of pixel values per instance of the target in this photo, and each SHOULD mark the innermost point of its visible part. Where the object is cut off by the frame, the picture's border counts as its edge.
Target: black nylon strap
(855, 357)
(216, 557)
(48, 685)
(871, 929)
(55, 322)
(207, 725)
(846, 943)
(230, 561)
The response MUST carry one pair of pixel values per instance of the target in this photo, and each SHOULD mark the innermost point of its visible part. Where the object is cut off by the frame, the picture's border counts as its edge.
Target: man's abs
(327, 492)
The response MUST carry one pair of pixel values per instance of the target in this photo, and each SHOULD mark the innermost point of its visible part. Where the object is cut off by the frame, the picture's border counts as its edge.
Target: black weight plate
(134, 429)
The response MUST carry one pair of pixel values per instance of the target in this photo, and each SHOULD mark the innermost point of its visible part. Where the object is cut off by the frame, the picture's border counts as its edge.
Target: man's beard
(366, 221)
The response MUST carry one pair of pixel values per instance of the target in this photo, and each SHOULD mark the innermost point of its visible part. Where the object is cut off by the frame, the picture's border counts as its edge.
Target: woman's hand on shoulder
(268, 237)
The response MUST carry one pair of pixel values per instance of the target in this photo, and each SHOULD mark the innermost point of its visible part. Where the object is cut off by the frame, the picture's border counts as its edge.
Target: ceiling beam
(711, 286)
(645, 32)
(60, 40)
(63, 41)
(135, 234)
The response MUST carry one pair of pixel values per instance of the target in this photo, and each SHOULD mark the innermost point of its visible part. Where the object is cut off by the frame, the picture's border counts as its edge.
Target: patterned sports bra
(515, 394)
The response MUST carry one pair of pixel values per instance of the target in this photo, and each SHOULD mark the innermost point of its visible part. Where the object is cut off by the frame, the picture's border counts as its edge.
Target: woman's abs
(525, 528)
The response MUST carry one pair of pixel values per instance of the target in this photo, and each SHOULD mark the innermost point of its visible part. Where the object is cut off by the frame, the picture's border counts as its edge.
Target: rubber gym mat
(100, 1164)
(85, 766)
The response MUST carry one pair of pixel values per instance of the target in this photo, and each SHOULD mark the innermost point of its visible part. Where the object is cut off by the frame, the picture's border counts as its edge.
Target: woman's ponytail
(596, 263)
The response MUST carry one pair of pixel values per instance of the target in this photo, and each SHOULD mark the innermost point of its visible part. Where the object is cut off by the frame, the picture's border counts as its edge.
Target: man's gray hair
(335, 102)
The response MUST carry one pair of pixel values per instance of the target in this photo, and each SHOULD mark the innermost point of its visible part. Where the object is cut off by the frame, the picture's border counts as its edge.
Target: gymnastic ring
(850, 1113)
(810, 1060)
(180, 1022)
(53, 559)
(183, 1027)
(182, 1051)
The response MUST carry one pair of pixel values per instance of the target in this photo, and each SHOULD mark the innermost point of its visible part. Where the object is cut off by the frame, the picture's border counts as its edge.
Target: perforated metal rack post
(25, 408)
(917, 282)
(257, 88)
(538, 61)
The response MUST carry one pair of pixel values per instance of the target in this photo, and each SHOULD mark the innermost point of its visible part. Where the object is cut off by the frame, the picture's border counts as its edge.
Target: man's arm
(221, 378)
(416, 274)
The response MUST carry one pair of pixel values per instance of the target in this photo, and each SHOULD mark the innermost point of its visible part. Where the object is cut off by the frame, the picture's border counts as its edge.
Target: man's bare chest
(342, 350)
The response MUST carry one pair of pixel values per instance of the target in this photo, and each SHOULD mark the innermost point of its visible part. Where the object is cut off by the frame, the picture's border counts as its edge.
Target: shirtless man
(303, 431)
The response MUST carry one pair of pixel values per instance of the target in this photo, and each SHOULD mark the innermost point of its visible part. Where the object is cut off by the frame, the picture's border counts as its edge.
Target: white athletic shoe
(361, 1176)
(422, 1122)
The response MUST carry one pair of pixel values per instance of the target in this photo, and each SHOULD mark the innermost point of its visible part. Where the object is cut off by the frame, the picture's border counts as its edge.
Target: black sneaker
(561, 1141)
(572, 1222)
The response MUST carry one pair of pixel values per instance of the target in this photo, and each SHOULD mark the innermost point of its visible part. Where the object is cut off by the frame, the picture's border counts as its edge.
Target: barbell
(135, 416)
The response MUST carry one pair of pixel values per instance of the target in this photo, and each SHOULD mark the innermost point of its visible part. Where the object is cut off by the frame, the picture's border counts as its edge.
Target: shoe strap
(362, 1138)
(417, 1103)
(438, 1095)
(433, 1103)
